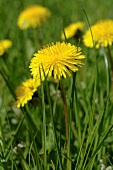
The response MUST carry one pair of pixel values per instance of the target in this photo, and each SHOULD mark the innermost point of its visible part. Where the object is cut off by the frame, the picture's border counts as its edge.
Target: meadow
(66, 123)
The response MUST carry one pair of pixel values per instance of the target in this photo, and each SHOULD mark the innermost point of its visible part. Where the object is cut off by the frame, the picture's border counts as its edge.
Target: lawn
(65, 120)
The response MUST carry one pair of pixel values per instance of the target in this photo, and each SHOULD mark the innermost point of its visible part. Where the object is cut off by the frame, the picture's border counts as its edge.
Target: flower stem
(111, 63)
(44, 128)
(66, 119)
(52, 120)
(110, 57)
(44, 122)
(37, 39)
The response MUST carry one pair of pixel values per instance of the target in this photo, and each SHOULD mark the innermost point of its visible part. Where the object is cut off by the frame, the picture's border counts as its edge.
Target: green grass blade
(52, 112)
(99, 146)
(17, 131)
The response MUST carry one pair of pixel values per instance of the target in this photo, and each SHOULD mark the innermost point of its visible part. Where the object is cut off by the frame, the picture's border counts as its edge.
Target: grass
(34, 137)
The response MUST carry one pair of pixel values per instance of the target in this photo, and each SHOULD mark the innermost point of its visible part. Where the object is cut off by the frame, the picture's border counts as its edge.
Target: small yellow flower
(33, 16)
(25, 91)
(102, 33)
(72, 29)
(57, 60)
(4, 45)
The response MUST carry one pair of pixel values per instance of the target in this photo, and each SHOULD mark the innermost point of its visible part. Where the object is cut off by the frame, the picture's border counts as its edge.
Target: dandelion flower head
(56, 60)
(72, 29)
(33, 16)
(102, 34)
(25, 91)
(4, 45)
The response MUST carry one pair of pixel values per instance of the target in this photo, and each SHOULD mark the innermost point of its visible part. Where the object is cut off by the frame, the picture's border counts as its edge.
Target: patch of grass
(34, 137)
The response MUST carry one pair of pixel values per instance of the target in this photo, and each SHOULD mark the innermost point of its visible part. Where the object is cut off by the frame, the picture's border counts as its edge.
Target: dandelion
(33, 17)
(4, 45)
(102, 34)
(57, 60)
(25, 91)
(73, 29)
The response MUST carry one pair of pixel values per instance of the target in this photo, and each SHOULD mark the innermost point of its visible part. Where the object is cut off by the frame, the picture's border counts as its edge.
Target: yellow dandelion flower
(57, 60)
(4, 45)
(25, 91)
(72, 29)
(102, 33)
(33, 16)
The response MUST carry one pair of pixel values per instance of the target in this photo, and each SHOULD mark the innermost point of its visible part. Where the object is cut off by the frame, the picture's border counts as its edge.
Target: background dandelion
(25, 91)
(33, 16)
(73, 29)
(102, 34)
(4, 45)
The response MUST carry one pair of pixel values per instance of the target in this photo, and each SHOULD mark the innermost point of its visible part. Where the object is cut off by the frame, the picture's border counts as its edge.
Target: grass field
(38, 136)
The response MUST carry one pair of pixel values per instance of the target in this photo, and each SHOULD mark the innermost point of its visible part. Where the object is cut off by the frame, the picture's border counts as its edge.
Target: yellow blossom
(72, 29)
(57, 60)
(102, 34)
(25, 91)
(33, 16)
(4, 45)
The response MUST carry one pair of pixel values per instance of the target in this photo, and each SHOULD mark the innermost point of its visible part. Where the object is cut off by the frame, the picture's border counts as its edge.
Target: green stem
(66, 119)
(44, 128)
(37, 39)
(5, 77)
(74, 101)
(110, 58)
(108, 87)
(107, 72)
(2, 147)
(111, 64)
(11, 155)
(69, 140)
(44, 120)
(52, 120)
(25, 37)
